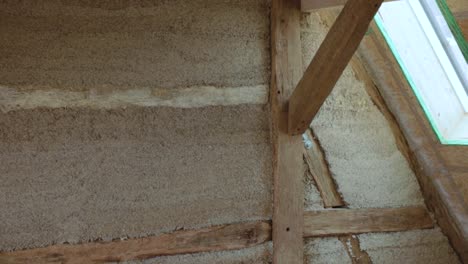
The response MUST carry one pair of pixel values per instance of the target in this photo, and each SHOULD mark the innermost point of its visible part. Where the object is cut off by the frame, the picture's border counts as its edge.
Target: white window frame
(432, 62)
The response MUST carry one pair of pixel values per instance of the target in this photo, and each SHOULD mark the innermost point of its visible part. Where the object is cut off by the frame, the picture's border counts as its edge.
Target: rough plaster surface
(256, 255)
(359, 145)
(71, 175)
(78, 45)
(417, 247)
(325, 251)
(88, 148)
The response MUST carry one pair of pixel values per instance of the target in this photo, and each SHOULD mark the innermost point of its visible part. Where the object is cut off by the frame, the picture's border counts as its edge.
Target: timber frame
(436, 166)
(329, 62)
(295, 98)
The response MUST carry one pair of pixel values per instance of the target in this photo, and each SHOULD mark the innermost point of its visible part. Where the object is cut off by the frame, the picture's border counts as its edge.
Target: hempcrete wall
(73, 173)
(368, 168)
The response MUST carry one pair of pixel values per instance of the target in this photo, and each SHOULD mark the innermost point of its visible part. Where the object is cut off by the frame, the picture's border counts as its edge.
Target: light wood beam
(288, 206)
(225, 237)
(312, 5)
(353, 247)
(329, 62)
(356, 221)
(462, 20)
(318, 167)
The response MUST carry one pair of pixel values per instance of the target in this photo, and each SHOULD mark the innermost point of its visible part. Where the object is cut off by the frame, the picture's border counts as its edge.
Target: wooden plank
(226, 237)
(312, 5)
(353, 247)
(356, 221)
(461, 179)
(454, 156)
(329, 62)
(315, 159)
(288, 244)
(440, 191)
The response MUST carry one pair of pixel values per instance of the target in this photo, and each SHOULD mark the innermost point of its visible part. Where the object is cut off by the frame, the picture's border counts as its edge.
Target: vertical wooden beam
(329, 62)
(288, 245)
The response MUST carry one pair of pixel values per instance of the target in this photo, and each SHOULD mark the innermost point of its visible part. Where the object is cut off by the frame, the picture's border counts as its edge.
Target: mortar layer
(74, 175)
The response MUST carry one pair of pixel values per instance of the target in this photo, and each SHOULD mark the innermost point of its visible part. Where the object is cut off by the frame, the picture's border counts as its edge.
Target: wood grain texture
(441, 193)
(315, 159)
(226, 237)
(329, 62)
(311, 5)
(462, 20)
(461, 179)
(356, 221)
(454, 156)
(288, 208)
(353, 248)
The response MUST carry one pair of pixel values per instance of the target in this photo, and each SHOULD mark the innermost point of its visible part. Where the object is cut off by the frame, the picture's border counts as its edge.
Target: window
(433, 62)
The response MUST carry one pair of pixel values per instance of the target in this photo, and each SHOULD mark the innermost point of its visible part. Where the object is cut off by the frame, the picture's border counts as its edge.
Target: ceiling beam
(329, 62)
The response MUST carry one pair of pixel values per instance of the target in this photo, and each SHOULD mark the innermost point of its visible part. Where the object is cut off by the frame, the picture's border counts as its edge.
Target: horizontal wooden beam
(311, 5)
(329, 62)
(356, 221)
(225, 237)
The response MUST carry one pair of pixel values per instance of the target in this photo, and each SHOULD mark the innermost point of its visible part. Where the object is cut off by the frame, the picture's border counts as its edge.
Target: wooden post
(287, 150)
(329, 62)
